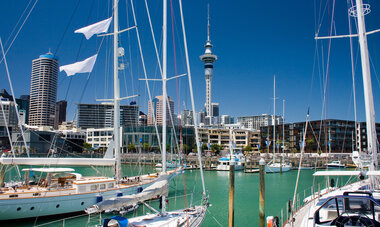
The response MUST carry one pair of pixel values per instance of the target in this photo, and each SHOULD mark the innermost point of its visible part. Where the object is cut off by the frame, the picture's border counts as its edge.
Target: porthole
(18, 208)
(82, 203)
(57, 206)
(32, 208)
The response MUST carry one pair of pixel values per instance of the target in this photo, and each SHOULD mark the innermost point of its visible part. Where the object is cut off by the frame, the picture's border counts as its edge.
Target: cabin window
(110, 185)
(82, 203)
(18, 208)
(57, 206)
(94, 187)
(36, 194)
(13, 196)
(102, 186)
(32, 208)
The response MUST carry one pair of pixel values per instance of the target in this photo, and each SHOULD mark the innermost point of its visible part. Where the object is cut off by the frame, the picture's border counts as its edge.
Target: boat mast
(283, 126)
(116, 114)
(164, 95)
(368, 97)
(274, 116)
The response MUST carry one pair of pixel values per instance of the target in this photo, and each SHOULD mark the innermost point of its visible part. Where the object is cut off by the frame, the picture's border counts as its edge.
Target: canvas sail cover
(84, 66)
(158, 188)
(97, 28)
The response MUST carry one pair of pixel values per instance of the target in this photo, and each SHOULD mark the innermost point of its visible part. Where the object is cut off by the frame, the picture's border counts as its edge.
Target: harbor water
(279, 190)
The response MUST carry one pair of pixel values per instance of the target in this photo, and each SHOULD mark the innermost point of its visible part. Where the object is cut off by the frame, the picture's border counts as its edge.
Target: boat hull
(18, 208)
(58, 161)
(277, 169)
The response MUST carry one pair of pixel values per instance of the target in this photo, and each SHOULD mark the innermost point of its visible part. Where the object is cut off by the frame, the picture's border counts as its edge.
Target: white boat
(335, 164)
(224, 162)
(356, 204)
(277, 168)
(272, 166)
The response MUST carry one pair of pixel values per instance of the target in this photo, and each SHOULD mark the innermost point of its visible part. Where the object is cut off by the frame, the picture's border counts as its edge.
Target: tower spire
(208, 22)
(208, 59)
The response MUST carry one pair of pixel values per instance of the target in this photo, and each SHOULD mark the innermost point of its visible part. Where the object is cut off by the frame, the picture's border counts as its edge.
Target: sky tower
(208, 60)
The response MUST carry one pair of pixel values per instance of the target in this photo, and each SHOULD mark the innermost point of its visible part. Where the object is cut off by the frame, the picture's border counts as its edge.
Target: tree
(247, 148)
(131, 147)
(86, 146)
(215, 148)
(146, 146)
(309, 142)
(186, 148)
(204, 147)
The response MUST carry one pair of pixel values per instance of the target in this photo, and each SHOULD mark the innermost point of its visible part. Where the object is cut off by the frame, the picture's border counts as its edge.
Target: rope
(214, 218)
(22, 25)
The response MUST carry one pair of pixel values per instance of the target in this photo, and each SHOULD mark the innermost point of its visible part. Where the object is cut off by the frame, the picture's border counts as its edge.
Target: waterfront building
(143, 119)
(157, 104)
(43, 90)
(7, 111)
(208, 59)
(101, 115)
(187, 118)
(60, 113)
(100, 138)
(258, 121)
(326, 136)
(225, 135)
(215, 109)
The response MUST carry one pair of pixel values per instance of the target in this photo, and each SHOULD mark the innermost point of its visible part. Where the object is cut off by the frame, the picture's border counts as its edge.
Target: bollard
(231, 197)
(262, 194)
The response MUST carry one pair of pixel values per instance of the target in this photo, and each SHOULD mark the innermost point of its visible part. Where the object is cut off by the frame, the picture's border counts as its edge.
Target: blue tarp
(122, 221)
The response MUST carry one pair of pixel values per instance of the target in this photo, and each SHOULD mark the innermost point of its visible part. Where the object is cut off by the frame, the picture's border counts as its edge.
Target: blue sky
(253, 41)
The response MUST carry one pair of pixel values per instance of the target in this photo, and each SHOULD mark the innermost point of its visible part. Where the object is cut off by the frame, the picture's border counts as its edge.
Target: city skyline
(263, 44)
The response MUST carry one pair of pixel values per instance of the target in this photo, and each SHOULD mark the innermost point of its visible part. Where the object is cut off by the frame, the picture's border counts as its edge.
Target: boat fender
(276, 221)
(332, 182)
(290, 206)
(119, 194)
(270, 221)
(139, 189)
(99, 198)
(361, 176)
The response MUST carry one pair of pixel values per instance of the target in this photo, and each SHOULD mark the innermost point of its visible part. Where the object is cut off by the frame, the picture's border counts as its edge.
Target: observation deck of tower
(208, 59)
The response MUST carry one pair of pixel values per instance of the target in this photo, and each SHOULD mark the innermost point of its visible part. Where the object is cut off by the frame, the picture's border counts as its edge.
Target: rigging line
(144, 69)
(130, 65)
(373, 66)
(13, 94)
(67, 28)
(14, 28)
(22, 25)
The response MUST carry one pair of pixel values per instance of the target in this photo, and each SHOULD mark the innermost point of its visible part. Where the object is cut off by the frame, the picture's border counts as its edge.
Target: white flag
(84, 66)
(97, 28)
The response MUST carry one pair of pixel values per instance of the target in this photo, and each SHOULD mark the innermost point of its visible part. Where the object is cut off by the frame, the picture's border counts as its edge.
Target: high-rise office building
(43, 90)
(60, 113)
(101, 115)
(157, 103)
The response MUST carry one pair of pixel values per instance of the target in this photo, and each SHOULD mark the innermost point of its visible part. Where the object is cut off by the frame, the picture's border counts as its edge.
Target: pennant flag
(84, 66)
(97, 28)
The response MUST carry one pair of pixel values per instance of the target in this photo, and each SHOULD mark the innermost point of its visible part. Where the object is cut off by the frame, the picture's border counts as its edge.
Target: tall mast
(116, 114)
(368, 97)
(274, 116)
(283, 126)
(164, 95)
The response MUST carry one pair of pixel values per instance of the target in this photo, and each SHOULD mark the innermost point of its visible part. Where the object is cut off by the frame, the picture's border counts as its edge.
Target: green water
(279, 189)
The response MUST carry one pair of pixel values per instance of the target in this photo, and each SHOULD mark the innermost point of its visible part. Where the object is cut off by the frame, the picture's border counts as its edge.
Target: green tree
(204, 147)
(186, 148)
(247, 148)
(146, 146)
(215, 148)
(309, 142)
(131, 147)
(86, 146)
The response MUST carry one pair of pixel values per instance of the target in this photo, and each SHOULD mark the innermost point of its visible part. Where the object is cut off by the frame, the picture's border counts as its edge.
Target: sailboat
(61, 190)
(356, 204)
(274, 167)
(184, 217)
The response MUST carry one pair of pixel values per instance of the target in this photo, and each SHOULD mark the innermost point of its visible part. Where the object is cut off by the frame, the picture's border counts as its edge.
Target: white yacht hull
(58, 161)
(227, 167)
(17, 208)
(276, 168)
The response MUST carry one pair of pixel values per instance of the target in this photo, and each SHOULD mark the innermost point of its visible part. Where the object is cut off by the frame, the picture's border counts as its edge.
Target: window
(102, 186)
(94, 187)
(110, 185)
